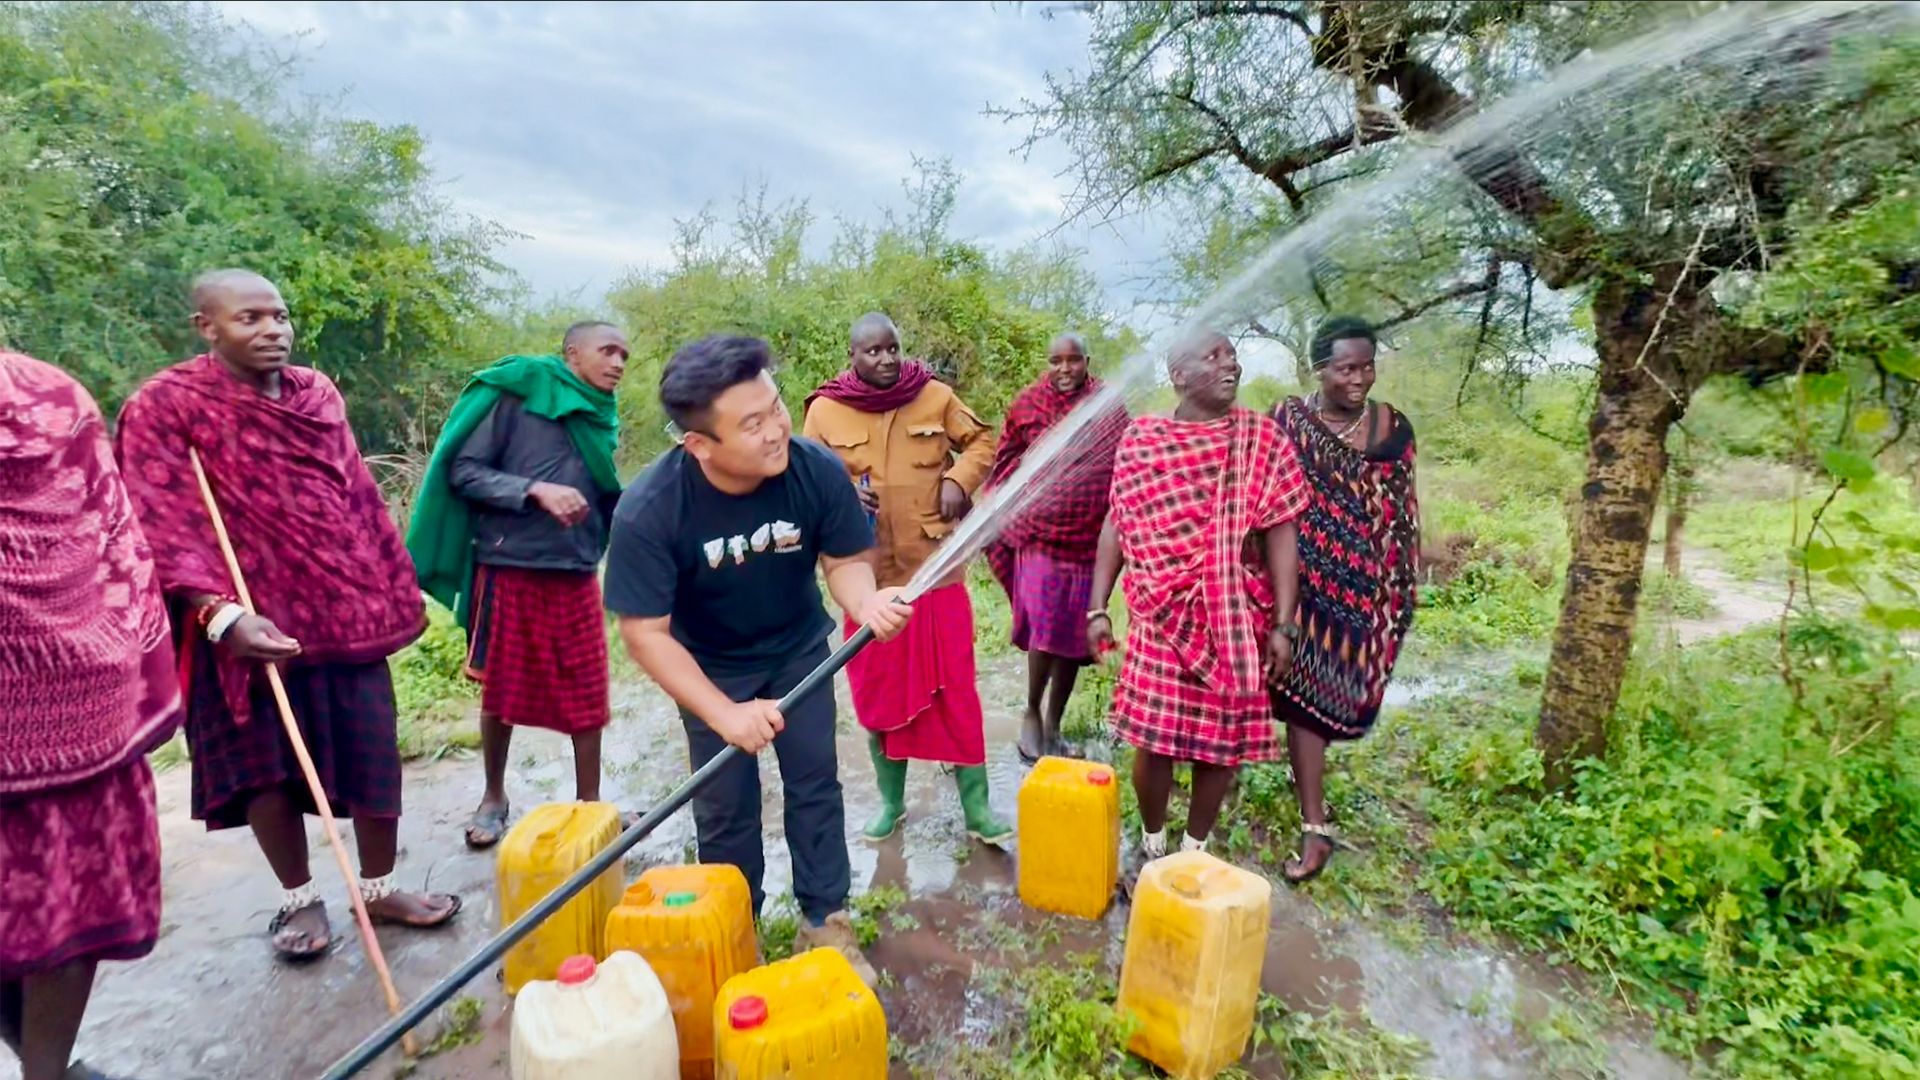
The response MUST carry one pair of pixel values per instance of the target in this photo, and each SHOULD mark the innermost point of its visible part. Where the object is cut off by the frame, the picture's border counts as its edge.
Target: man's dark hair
(702, 371)
(1338, 328)
(579, 328)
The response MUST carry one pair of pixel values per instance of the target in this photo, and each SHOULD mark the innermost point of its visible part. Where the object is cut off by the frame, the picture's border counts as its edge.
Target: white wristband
(223, 621)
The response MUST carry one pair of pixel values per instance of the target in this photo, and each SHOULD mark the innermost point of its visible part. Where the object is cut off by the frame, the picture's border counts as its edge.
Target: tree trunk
(1679, 498)
(1626, 458)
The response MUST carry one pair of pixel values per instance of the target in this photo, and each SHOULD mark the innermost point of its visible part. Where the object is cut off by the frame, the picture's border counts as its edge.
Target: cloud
(590, 128)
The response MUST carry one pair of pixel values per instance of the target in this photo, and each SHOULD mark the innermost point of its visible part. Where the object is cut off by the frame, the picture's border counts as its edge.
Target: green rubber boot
(890, 777)
(981, 824)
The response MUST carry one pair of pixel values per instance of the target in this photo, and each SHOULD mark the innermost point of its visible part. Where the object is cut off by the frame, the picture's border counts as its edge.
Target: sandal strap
(1322, 830)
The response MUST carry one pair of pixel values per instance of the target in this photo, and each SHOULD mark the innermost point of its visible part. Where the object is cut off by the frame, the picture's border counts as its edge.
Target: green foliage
(868, 908)
(460, 1026)
(983, 321)
(1067, 1027)
(1332, 1045)
(432, 692)
(1850, 284)
(1743, 866)
(172, 755)
(1493, 471)
(1487, 603)
(1675, 596)
(779, 927)
(141, 144)
(992, 611)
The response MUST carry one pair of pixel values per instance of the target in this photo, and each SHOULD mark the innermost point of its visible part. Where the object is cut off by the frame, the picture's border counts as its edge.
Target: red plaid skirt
(1161, 707)
(538, 646)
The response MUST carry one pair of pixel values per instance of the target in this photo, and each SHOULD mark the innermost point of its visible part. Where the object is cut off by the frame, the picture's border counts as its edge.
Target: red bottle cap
(1100, 776)
(575, 970)
(747, 1013)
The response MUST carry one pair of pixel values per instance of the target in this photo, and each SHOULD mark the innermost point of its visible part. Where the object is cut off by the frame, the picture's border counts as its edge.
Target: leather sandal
(293, 955)
(1308, 830)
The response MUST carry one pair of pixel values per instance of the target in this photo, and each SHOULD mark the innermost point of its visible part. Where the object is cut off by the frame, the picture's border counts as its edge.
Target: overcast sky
(591, 127)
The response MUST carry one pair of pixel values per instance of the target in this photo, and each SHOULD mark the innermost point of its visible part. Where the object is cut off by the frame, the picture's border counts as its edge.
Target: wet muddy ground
(212, 1003)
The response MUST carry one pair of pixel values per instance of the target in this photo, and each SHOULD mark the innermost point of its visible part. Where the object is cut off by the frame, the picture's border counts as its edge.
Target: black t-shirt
(735, 572)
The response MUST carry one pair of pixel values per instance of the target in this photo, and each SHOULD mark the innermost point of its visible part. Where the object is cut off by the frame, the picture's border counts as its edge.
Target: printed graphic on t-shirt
(783, 535)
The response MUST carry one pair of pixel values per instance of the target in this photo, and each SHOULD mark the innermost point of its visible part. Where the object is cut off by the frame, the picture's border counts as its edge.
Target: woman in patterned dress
(1359, 552)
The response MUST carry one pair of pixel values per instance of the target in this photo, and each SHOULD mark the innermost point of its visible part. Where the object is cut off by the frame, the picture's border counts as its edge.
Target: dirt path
(1737, 604)
(211, 1002)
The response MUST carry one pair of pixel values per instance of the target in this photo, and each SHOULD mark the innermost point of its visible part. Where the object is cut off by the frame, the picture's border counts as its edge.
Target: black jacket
(506, 454)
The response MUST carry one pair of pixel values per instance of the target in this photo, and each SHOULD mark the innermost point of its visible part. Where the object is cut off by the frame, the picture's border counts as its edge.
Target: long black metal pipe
(382, 1040)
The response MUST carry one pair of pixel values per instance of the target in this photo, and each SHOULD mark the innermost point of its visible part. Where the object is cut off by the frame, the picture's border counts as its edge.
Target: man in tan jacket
(916, 454)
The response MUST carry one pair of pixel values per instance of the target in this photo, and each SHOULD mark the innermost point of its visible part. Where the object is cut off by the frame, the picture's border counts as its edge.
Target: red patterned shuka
(1189, 502)
(1065, 521)
(311, 530)
(1359, 557)
(86, 687)
(86, 672)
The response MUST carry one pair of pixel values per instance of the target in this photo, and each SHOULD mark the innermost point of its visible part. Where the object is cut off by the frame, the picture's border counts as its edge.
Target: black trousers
(726, 813)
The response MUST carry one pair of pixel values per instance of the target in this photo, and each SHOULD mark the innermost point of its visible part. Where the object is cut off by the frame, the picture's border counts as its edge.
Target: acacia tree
(1648, 209)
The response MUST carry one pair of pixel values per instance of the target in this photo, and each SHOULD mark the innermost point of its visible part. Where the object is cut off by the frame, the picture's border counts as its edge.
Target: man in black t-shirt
(711, 571)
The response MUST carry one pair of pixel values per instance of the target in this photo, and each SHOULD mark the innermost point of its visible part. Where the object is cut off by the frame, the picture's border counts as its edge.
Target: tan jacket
(907, 453)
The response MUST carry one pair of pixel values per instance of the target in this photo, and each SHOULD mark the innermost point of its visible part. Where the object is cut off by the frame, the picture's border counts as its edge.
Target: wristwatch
(1290, 631)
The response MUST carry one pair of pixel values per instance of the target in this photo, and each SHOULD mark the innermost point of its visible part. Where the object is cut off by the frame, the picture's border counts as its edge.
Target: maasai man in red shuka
(1359, 564)
(916, 454)
(87, 689)
(335, 591)
(1044, 557)
(1204, 503)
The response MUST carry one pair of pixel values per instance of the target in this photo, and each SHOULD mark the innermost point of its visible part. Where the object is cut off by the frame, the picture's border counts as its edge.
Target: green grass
(1754, 538)
(1064, 1026)
(1742, 867)
(779, 926)
(434, 696)
(1676, 597)
(1750, 538)
(171, 755)
(992, 613)
(870, 907)
(459, 1026)
(1330, 1046)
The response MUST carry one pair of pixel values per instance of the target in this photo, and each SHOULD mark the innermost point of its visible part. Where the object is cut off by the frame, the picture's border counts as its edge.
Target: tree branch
(1279, 171)
(1487, 283)
(1429, 102)
(1175, 164)
(1278, 11)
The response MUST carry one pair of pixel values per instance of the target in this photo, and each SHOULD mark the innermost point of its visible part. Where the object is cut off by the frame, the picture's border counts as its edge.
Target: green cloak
(440, 536)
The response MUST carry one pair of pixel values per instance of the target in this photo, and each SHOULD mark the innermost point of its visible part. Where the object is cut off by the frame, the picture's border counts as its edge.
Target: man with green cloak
(509, 530)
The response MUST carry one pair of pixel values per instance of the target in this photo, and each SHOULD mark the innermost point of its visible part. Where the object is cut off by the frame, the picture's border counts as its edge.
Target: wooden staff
(320, 802)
